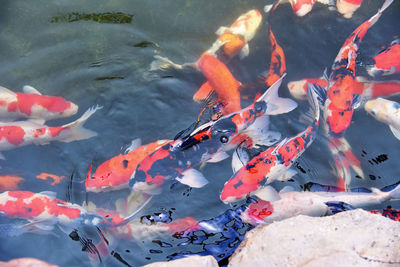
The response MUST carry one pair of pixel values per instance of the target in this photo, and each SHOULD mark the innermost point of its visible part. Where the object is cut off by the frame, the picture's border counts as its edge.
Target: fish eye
(259, 106)
(224, 139)
(373, 112)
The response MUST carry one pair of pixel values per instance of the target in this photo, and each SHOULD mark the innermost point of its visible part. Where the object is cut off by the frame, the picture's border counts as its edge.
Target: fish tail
(375, 18)
(314, 103)
(395, 193)
(76, 129)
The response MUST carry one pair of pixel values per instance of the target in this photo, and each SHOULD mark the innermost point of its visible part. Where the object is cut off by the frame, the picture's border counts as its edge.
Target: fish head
(301, 7)
(112, 174)
(298, 89)
(247, 24)
(382, 109)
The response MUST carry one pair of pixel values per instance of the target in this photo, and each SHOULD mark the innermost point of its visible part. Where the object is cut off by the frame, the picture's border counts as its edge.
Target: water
(99, 52)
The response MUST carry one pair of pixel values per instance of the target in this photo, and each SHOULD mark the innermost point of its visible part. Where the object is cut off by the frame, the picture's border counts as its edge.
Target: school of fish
(242, 132)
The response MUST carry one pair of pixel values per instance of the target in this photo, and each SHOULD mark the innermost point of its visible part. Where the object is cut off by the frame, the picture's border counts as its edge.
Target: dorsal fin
(30, 90)
(135, 144)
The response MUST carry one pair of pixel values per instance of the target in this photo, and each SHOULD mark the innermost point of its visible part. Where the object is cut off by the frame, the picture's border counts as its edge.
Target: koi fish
(235, 38)
(10, 182)
(387, 61)
(385, 111)
(339, 101)
(31, 104)
(56, 179)
(273, 206)
(273, 163)
(222, 81)
(22, 133)
(278, 64)
(114, 174)
(348, 7)
(362, 86)
(208, 143)
(231, 41)
(45, 210)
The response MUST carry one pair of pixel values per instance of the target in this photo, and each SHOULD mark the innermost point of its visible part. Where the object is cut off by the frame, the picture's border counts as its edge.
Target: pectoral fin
(268, 193)
(395, 131)
(245, 51)
(192, 178)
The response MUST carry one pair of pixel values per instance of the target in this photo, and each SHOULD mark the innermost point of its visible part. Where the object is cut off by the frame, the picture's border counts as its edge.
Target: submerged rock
(349, 238)
(198, 261)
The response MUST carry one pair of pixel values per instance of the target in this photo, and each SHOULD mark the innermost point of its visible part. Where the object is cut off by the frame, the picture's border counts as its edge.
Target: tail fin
(275, 104)
(375, 18)
(313, 100)
(395, 193)
(76, 129)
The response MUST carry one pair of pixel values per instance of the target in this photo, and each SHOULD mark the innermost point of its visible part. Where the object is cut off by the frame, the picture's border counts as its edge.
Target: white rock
(353, 238)
(192, 261)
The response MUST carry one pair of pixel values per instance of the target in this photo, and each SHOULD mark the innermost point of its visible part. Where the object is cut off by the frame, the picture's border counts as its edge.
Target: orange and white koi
(114, 174)
(365, 88)
(208, 143)
(385, 111)
(340, 101)
(348, 7)
(45, 176)
(387, 62)
(22, 133)
(32, 104)
(235, 39)
(273, 206)
(273, 163)
(10, 182)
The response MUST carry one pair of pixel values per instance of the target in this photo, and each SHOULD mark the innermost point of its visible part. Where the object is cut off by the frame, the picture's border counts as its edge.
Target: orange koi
(222, 81)
(56, 179)
(10, 182)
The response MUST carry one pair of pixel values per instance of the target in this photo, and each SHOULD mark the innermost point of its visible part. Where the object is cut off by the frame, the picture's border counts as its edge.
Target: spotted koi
(208, 143)
(114, 174)
(271, 164)
(340, 101)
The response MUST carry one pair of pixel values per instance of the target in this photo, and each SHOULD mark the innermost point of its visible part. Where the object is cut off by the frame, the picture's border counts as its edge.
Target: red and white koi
(387, 62)
(22, 133)
(45, 210)
(114, 174)
(385, 111)
(208, 143)
(32, 104)
(273, 206)
(273, 163)
(365, 88)
(340, 101)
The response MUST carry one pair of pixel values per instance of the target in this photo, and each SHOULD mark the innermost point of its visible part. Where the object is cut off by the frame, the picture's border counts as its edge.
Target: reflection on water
(98, 52)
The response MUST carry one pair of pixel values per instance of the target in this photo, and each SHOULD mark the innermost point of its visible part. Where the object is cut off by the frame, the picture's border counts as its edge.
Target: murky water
(99, 52)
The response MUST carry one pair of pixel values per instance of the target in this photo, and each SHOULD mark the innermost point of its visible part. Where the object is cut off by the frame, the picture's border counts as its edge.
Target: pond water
(99, 52)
